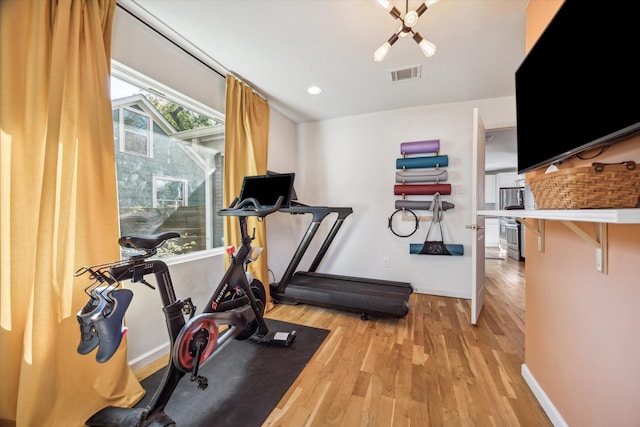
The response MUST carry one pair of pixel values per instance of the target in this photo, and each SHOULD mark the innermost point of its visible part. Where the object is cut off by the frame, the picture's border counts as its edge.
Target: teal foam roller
(422, 162)
(454, 249)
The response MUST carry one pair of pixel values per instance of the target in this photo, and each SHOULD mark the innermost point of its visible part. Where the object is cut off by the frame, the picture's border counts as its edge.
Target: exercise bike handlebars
(250, 207)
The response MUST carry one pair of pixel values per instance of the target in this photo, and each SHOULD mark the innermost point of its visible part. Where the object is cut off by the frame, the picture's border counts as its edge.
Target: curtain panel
(245, 153)
(58, 209)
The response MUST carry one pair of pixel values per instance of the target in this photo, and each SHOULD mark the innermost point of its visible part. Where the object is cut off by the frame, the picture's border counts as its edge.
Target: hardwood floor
(431, 368)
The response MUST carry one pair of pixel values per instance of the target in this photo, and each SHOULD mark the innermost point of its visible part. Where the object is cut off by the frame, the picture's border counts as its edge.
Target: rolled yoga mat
(417, 147)
(421, 175)
(422, 189)
(421, 205)
(454, 249)
(422, 162)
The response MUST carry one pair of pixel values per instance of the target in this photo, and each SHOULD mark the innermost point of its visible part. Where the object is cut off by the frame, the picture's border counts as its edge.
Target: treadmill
(382, 298)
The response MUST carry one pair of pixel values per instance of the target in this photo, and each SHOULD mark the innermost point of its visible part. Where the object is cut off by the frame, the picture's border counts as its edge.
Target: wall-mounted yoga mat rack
(421, 172)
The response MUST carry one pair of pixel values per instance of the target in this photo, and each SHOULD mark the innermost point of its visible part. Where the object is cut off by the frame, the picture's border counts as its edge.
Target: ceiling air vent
(411, 73)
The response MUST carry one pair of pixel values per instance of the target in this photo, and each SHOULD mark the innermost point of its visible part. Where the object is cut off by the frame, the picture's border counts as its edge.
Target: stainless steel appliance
(513, 240)
(511, 198)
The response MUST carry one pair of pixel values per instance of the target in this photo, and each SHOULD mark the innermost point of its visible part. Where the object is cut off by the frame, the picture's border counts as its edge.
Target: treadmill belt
(359, 295)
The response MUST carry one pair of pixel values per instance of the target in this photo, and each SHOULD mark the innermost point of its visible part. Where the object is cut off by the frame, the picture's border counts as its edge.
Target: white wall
(282, 229)
(350, 161)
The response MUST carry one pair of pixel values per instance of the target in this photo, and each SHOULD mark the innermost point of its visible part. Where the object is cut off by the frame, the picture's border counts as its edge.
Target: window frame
(185, 188)
(147, 83)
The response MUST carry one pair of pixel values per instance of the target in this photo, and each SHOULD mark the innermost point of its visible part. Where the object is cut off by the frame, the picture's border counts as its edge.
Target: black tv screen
(579, 87)
(266, 189)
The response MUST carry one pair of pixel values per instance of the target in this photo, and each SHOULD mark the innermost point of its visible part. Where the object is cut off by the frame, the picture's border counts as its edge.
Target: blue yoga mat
(422, 162)
(415, 248)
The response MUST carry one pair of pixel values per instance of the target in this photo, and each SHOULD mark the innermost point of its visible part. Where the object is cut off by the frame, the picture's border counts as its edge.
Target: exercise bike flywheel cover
(202, 329)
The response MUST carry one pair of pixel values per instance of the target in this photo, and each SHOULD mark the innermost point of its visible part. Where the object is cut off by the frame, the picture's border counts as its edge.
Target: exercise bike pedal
(278, 338)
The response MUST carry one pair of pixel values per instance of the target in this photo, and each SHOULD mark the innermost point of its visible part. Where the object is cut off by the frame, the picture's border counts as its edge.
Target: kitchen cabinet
(490, 189)
(509, 179)
(491, 232)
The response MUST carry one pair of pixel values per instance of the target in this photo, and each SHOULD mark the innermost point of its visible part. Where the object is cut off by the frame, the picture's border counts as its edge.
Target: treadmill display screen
(267, 188)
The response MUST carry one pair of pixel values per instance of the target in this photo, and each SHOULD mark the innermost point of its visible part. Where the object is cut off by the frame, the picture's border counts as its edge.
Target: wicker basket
(603, 186)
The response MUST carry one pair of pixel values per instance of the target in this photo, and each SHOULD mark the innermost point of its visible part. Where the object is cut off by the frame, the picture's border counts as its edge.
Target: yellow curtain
(245, 153)
(58, 209)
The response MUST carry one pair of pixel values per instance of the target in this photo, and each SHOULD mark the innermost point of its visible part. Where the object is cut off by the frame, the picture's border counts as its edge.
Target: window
(136, 132)
(169, 192)
(169, 164)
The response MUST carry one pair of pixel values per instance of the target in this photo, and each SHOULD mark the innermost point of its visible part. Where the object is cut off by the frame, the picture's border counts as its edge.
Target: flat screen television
(578, 88)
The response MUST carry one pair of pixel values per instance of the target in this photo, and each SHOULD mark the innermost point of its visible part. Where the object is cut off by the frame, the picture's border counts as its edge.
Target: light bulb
(382, 51)
(426, 46)
(411, 18)
(429, 2)
(390, 8)
(401, 31)
(386, 4)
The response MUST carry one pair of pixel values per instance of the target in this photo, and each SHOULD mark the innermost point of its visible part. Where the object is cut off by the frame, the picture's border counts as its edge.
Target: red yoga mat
(422, 189)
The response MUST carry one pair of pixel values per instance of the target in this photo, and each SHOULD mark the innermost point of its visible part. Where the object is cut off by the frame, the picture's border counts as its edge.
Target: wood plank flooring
(431, 368)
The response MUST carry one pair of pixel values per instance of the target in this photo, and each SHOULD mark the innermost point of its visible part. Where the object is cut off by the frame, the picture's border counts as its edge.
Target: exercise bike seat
(146, 241)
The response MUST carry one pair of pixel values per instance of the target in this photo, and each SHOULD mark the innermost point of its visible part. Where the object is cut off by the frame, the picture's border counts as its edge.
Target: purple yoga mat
(417, 147)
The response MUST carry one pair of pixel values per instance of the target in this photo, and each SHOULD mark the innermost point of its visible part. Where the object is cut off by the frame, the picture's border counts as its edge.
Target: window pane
(169, 168)
(169, 193)
(136, 132)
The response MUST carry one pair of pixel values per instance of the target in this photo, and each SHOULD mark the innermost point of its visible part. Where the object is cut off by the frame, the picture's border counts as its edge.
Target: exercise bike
(234, 311)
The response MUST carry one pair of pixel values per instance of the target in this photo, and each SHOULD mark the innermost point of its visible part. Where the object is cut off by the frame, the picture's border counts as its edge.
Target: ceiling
(501, 152)
(281, 47)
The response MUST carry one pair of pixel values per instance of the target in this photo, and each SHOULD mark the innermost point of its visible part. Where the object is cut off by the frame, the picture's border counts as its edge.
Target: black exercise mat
(246, 381)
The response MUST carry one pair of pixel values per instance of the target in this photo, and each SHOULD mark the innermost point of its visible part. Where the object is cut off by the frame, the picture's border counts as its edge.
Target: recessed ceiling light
(314, 90)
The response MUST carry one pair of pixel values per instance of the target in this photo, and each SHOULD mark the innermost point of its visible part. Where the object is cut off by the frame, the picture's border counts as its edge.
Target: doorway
(505, 275)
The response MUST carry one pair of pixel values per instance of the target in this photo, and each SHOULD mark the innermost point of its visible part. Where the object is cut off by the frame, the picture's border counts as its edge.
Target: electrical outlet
(385, 262)
(460, 191)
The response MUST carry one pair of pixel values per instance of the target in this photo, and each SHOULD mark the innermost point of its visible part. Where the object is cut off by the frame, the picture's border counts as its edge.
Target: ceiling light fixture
(408, 22)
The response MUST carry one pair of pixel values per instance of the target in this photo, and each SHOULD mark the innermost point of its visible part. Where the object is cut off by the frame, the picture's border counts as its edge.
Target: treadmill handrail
(343, 213)
(318, 215)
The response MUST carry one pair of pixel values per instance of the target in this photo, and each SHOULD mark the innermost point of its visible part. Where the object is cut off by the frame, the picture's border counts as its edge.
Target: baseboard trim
(146, 362)
(542, 398)
(441, 293)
